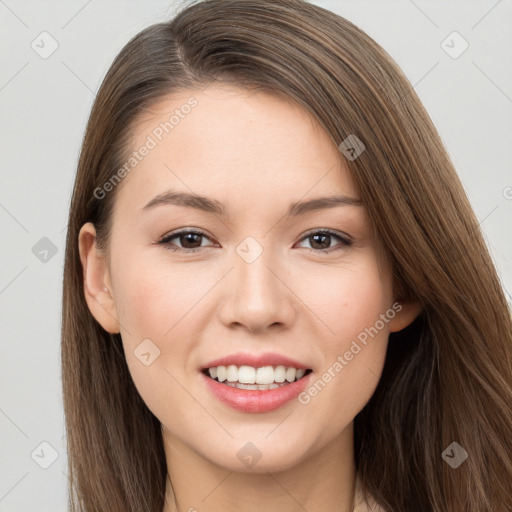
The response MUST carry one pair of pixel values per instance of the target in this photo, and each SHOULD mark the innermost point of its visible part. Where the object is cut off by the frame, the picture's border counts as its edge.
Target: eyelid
(184, 230)
(164, 240)
(346, 240)
(334, 232)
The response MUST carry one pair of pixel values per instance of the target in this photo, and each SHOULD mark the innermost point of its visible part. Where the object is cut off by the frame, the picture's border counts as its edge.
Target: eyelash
(165, 241)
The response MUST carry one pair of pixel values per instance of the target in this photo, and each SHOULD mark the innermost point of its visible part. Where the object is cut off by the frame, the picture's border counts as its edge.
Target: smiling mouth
(256, 379)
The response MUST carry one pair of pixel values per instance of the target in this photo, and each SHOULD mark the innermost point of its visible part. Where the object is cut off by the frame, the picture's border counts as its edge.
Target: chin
(260, 455)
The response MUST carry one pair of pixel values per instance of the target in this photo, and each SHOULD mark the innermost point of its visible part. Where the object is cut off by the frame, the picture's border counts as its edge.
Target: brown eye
(321, 240)
(191, 241)
(188, 240)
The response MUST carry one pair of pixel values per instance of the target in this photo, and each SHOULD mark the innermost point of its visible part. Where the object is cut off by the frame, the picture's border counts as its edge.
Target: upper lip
(256, 361)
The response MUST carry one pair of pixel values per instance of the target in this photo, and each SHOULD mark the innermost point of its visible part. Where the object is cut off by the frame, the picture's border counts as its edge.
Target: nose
(258, 294)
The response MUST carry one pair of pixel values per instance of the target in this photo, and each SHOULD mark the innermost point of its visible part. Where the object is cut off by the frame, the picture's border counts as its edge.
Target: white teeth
(290, 374)
(247, 375)
(265, 375)
(254, 387)
(280, 374)
(221, 373)
(232, 374)
(268, 377)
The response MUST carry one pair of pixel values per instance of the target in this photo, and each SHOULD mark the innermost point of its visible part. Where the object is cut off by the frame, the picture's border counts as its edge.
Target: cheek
(161, 303)
(354, 347)
(150, 302)
(156, 300)
(363, 327)
(347, 299)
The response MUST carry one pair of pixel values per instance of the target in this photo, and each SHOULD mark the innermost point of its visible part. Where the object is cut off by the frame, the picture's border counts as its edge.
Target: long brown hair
(447, 377)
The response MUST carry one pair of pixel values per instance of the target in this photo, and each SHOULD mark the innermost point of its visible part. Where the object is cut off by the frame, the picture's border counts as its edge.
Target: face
(244, 280)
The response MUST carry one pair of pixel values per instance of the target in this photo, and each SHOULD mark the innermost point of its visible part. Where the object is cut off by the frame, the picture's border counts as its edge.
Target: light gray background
(45, 104)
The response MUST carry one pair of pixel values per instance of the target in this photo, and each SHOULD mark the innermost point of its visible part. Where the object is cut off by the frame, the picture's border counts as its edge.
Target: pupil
(189, 239)
(325, 236)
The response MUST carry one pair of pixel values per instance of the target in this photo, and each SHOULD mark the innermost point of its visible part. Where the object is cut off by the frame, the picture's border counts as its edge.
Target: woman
(370, 370)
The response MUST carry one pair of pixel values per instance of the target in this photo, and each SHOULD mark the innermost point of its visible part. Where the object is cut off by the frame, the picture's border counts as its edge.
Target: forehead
(232, 144)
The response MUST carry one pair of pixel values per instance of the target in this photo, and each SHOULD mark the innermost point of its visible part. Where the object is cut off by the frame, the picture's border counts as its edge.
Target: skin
(256, 154)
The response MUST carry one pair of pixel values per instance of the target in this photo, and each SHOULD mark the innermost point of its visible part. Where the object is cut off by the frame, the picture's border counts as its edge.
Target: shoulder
(360, 504)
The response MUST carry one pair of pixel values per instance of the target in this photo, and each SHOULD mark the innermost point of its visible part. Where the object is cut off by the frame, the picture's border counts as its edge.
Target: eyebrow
(208, 205)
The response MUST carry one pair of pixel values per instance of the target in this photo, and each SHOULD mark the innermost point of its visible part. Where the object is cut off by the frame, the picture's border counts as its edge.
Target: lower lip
(254, 401)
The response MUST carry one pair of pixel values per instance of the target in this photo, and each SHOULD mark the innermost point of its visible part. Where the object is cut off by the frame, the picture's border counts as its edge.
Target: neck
(322, 481)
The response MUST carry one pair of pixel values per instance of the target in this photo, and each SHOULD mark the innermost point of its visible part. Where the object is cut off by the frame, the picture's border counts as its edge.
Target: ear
(406, 313)
(97, 286)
